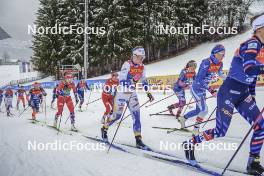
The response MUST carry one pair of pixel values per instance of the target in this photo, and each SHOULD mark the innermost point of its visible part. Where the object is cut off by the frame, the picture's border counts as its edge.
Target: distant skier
(108, 94)
(54, 96)
(234, 93)
(35, 93)
(82, 87)
(64, 97)
(184, 82)
(8, 100)
(209, 72)
(1, 97)
(131, 72)
(21, 93)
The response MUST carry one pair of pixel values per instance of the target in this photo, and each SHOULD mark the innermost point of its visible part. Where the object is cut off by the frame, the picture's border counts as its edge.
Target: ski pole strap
(160, 100)
(244, 139)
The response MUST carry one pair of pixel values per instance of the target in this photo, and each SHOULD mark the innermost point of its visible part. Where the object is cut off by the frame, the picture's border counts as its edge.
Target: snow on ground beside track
(17, 160)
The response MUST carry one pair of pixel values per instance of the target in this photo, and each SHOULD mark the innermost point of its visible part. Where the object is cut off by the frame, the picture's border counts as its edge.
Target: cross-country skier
(108, 94)
(82, 87)
(21, 93)
(64, 97)
(131, 72)
(54, 96)
(184, 82)
(209, 72)
(8, 100)
(35, 93)
(235, 93)
(1, 97)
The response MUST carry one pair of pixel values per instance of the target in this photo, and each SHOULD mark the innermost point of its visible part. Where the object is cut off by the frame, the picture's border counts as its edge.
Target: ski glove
(151, 98)
(212, 91)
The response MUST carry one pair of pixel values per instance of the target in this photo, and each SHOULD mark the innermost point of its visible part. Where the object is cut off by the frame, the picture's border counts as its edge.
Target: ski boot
(73, 128)
(140, 144)
(189, 152)
(178, 114)
(182, 120)
(104, 134)
(170, 108)
(253, 166)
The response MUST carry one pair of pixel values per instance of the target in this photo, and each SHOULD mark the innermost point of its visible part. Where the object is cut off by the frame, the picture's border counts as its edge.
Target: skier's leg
(134, 109)
(119, 104)
(182, 102)
(107, 105)
(60, 104)
(23, 102)
(249, 110)
(200, 106)
(70, 106)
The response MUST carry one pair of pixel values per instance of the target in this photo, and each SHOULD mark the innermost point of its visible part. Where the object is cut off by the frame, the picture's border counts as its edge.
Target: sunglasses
(115, 75)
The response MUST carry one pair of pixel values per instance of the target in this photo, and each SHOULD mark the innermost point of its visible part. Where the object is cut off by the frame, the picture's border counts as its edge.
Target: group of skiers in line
(237, 91)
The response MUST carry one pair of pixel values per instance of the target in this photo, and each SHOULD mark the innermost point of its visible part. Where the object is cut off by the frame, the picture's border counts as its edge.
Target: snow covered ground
(11, 72)
(16, 159)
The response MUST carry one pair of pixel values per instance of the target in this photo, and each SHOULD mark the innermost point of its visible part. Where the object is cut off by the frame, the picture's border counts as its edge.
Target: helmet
(217, 49)
(138, 51)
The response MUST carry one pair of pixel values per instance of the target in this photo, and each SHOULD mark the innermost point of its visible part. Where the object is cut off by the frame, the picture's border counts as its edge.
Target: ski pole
(23, 111)
(175, 129)
(184, 105)
(130, 114)
(93, 101)
(209, 117)
(119, 124)
(45, 110)
(88, 100)
(160, 100)
(244, 139)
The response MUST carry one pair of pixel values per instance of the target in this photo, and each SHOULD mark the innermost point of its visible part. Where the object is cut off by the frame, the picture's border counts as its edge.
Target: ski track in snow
(16, 159)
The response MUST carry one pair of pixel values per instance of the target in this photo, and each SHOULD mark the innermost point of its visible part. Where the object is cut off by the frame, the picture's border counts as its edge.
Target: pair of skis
(160, 156)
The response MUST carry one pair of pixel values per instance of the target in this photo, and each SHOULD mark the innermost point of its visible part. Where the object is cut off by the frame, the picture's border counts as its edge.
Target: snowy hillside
(174, 65)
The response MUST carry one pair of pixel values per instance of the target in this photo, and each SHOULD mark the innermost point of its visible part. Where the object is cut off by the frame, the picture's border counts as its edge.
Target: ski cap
(36, 84)
(138, 51)
(68, 76)
(258, 23)
(192, 63)
(218, 48)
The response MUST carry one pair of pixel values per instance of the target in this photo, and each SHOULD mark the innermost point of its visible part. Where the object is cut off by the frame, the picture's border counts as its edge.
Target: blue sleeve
(182, 75)
(252, 87)
(220, 72)
(250, 51)
(201, 75)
